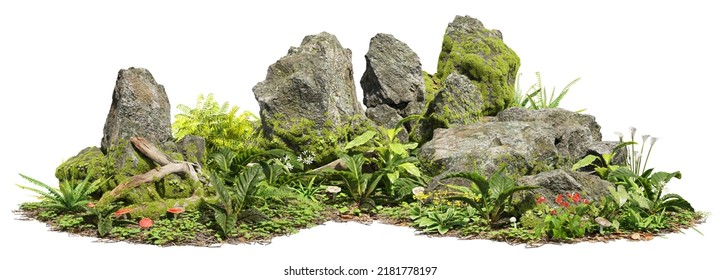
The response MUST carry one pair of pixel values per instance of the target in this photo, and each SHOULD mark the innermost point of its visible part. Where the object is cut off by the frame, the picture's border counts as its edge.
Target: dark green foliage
(236, 197)
(489, 197)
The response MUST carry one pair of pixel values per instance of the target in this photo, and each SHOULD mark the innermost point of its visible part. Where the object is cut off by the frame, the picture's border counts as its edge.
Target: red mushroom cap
(90, 205)
(176, 210)
(145, 223)
(123, 211)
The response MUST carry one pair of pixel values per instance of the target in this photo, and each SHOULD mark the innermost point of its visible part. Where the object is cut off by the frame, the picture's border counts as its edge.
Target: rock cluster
(522, 141)
(468, 123)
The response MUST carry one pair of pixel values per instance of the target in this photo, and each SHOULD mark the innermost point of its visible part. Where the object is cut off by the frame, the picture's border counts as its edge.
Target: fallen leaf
(635, 236)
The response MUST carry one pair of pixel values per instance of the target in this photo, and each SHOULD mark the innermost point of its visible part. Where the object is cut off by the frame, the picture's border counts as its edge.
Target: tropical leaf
(360, 140)
(587, 160)
(674, 203)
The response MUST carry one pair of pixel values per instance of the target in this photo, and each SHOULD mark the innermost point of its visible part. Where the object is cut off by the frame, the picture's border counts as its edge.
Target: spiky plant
(68, 197)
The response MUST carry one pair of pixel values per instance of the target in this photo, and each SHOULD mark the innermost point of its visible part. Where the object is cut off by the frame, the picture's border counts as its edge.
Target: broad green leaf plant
(489, 197)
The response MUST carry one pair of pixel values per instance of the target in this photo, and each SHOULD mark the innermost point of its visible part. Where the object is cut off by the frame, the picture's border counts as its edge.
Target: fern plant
(68, 197)
(537, 97)
(222, 126)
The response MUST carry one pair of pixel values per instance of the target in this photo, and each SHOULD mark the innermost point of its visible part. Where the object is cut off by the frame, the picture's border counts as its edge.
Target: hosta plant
(490, 197)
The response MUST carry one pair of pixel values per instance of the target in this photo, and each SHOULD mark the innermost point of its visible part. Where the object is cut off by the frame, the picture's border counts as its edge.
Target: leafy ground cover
(260, 189)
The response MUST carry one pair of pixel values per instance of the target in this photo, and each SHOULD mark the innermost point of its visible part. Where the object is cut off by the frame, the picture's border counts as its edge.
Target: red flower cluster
(540, 200)
(574, 197)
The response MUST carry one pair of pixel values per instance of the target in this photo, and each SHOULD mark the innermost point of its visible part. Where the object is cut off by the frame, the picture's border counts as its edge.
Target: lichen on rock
(480, 54)
(312, 82)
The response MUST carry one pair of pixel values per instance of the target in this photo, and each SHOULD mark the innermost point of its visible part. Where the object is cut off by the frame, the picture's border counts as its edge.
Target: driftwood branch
(338, 164)
(167, 166)
(150, 151)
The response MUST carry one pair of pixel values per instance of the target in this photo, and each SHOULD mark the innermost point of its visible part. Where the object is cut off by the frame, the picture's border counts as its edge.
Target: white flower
(333, 189)
(619, 134)
(418, 190)
(652, 140)
(645, 137)
(632, 132)
(286, 158)
(288, 166)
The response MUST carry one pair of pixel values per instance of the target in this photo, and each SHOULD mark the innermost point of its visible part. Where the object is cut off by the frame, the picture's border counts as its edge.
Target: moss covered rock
(90, 161)
(480, 54)
(312, 82)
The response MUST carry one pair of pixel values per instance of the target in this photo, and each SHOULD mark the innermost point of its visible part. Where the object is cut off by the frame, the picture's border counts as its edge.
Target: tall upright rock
(140, 108)
(489, 66)
(393, 86)
(312, 82)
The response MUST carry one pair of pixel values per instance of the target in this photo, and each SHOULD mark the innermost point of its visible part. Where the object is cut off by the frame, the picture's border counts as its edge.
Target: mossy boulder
(89, 161)
(324, 141)
(458, 102)
(478, 53)
(313, 82)
(475, 78)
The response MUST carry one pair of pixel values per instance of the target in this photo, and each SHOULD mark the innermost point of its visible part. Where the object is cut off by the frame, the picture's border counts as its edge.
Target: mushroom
(122, 212)
(603, 223)
(175, 211)
(418, 190)
(145, 223)
(513, 220)
(333, 190)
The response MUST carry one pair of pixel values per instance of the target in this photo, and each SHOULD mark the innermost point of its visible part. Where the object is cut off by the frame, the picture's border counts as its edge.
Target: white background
(652, 65)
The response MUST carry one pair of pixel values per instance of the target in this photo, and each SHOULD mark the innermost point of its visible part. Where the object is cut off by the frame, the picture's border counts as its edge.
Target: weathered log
(167, 166)
(150, 151)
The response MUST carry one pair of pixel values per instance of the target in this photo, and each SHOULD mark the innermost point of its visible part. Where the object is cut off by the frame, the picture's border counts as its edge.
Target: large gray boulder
(313, 82)
(140, 108)
(480, 54)
(392, 84)
(523, 141)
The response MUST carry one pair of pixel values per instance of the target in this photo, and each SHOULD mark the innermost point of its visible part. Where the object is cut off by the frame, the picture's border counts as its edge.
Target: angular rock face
(524, 141)
(313, 81)
(480, 54)
(458, 102)
(559, 181)
(573, 133)
(140, 108)
(392, 84)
